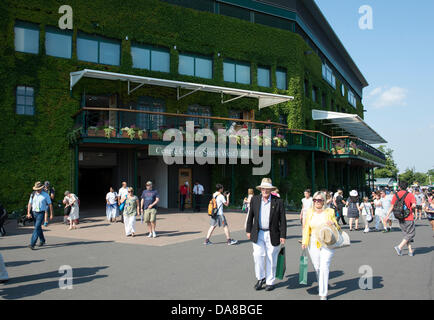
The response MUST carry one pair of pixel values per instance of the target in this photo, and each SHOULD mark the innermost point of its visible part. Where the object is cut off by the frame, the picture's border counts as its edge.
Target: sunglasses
(318, 200)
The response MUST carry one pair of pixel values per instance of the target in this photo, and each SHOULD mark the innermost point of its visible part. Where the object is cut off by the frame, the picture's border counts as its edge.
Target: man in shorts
(420, 200)
(220, 219)
(407, 225)
(148, 204)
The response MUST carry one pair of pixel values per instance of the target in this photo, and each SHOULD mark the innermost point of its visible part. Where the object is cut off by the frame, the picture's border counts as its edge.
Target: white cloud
(381, 97)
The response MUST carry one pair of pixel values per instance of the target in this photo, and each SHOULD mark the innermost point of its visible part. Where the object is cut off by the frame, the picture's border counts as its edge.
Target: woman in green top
(131, 209)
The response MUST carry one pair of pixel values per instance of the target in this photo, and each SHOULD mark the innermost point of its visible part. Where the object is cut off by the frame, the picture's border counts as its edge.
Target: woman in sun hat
(353, 209)
(315, 240)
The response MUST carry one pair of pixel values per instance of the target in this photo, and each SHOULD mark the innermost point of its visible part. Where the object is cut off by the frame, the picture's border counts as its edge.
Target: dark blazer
(277, 219)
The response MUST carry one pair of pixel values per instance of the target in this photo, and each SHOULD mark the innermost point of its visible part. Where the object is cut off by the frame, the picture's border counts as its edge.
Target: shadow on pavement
(292, 280)
(347, 286)
(80, 275)
(423, 250)
(21, 263)
(48, 246)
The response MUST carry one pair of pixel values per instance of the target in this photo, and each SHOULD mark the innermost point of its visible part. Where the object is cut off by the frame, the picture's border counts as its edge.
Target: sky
(396, 57)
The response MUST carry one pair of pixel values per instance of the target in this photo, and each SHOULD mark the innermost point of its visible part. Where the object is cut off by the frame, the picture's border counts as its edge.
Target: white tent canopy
(265, 99)
(351, 123)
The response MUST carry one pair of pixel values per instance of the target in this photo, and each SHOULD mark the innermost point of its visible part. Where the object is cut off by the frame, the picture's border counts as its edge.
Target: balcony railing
(355, 147)
(145, 127)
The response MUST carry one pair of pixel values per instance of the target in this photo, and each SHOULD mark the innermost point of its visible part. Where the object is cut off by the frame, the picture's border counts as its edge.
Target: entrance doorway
(93, 185)
(184, 175)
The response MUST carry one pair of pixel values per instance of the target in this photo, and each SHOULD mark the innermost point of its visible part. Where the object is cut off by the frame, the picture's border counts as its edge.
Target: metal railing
(354, 146)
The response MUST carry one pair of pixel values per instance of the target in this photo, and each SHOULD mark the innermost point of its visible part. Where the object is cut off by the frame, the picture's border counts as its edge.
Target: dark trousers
(339, 215)
(182, 202)
(197, 201)
(37, 232)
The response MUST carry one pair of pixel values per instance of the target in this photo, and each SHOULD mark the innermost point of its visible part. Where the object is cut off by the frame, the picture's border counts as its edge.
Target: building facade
(147, 66)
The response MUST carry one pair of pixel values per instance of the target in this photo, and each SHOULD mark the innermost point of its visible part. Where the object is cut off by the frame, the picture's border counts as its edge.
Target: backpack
(400, 209)
(212, 207)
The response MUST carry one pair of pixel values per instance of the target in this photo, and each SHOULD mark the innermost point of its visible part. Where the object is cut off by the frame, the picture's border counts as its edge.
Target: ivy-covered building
(149, 65)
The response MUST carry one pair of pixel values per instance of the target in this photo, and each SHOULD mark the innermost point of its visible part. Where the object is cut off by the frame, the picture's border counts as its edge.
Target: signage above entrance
(159, 150)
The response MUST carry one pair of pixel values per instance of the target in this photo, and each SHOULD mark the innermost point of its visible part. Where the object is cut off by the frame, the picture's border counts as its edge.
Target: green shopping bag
(302, 278)
(281, 264)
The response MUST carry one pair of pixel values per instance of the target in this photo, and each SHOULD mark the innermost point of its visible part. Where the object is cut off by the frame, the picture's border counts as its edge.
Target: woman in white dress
(112, 205)
(71, 200)
(379, 212)
(366, 209)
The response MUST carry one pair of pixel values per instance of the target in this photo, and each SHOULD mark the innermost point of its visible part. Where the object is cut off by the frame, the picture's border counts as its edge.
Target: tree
(411, 177)
(390, 170)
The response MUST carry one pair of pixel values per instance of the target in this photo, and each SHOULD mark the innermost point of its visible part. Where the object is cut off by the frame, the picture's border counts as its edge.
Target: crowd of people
(321, 217)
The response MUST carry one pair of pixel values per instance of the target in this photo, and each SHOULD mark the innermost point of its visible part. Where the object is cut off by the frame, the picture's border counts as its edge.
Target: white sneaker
(366, 230)
(154, 235)
(150, 235)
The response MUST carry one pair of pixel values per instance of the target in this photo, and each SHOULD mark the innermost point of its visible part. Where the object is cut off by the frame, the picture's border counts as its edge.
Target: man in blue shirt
(150, 199)
(39, 202)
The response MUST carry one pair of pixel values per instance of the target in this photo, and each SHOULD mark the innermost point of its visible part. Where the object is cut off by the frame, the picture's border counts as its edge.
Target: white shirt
(307, 203)
(198, 189)
(111, 197)
(264, 213)
(419, 199)
(386, 202)
(220, 202)
(123, 192)
(366, 208)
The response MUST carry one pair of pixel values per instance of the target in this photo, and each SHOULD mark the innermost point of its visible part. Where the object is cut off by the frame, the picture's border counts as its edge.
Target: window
(200, 111)
(352, 98)
(314, 94)
(150, 58)
(25, 100)
(306, 88)
(234, 11)
(58, 43)
(150, 121)
(264, 79)
(328, 75)
(202, 5)
(98, 50)
(236, 72)
(26, 37)
(195, 66)
(281, 79)
(272, 21)
(343, 90)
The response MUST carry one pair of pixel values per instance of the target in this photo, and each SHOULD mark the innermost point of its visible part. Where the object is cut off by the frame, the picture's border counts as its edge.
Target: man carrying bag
(266, 228)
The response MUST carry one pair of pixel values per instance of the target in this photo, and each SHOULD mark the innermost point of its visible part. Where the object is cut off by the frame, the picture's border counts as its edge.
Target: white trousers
(129, 223)
(265, 257)
(379, 216)
(321, 258)
(3, 273)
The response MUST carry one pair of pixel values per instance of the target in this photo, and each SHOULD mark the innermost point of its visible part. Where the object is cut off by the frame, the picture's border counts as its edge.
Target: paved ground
(176, 265)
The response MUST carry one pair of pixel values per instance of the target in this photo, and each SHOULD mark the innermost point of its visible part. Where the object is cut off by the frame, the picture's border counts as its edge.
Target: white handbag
(344, 211)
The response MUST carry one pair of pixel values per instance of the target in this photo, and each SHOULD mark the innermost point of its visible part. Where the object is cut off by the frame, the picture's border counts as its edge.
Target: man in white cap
(266, 227)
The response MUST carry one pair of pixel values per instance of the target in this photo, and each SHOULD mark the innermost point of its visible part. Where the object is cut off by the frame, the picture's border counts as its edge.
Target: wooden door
(185, 175)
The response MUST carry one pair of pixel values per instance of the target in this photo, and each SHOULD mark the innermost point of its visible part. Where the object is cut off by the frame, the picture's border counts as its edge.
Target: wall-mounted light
(126, 38)
(308, 52)
(174, 47)
(218, 54)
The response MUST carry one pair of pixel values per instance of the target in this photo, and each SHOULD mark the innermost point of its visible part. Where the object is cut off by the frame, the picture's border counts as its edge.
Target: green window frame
(232, 69)
(100, 57)
(26, 37)
(150, 57)
(50, 47)
(195, 60)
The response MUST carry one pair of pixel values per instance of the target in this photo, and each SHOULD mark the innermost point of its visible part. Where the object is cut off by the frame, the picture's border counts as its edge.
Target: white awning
(351, 123)
(265, 99)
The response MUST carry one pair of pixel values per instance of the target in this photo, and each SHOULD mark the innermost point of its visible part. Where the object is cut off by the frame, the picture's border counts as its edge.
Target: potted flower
(333, 150)
(340, 150)
(156, 134)
(257, 140)
(142, 134)
(280, 141)
(109, 132)
(235, 139)
(129, 132)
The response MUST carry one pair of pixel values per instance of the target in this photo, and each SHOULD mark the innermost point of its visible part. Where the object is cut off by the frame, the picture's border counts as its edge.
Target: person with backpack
(403, 204)
(217, 215)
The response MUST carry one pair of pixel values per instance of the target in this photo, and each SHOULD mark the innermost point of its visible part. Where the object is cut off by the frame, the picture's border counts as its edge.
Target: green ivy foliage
(36, 147)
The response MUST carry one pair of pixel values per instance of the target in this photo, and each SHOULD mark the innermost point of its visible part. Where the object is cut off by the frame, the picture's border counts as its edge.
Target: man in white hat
(39, 202)
(266, 227)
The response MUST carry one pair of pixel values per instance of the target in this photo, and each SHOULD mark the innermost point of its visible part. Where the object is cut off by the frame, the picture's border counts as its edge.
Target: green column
(232, 182)
(76, 169)
(135, 171)
(348, 177)
(326, 174)
(313, 172)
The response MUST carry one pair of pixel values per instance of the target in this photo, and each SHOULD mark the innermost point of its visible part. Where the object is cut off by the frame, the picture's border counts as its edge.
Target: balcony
(351, 147)
(139, 127)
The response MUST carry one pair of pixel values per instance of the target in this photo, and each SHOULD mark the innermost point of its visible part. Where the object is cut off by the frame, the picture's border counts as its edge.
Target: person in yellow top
(320, 255)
